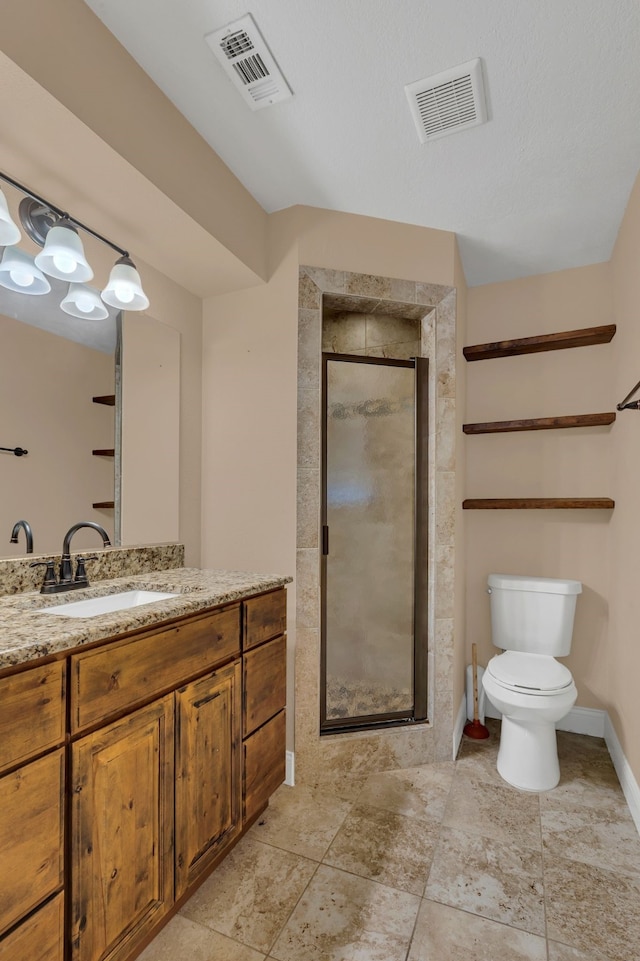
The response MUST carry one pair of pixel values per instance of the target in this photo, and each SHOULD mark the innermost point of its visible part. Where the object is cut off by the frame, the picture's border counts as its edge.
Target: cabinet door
(122, 829)
(208, 771)
(31, 836)
(264, 764)
(265, 683)
(39, 938)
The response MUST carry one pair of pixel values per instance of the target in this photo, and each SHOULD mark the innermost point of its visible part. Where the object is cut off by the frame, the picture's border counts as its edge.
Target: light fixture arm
(62, 214)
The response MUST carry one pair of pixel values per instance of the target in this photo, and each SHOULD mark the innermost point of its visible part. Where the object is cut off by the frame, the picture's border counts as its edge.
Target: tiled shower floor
(439, 863)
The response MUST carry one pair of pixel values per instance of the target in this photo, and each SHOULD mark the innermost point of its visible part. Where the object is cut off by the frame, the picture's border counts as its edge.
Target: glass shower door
(369, 542)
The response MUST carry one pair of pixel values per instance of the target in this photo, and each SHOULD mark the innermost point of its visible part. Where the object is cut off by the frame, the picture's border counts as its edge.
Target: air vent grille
(447, 102)
(241, 50)
(251, 69)
(236, 44)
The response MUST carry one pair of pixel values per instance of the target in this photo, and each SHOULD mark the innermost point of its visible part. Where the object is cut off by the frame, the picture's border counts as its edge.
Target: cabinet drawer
(31, 836)
(265, 683)
(264, 764)
(39, 938)
(265, 617)
(111, 679)
(36, 695)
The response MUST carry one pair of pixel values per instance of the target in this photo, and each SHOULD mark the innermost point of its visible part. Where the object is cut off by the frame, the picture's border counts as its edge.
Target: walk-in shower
(374, 541)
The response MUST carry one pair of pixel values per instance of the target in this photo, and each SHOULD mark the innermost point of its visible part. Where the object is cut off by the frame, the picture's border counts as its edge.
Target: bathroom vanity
(133, 755)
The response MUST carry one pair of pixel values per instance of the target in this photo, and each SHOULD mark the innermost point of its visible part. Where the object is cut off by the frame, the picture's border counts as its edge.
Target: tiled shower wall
(318, 757)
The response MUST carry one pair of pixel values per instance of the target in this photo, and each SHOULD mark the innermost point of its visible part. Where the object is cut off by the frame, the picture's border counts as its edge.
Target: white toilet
(532, 621)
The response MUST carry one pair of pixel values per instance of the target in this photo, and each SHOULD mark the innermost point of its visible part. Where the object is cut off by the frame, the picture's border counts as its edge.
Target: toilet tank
(532, 614)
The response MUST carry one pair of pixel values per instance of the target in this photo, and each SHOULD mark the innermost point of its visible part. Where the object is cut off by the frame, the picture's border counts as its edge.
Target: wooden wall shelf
(538, 503)
(108, 399)
(533, 345)
(541, 423)
(104, 504)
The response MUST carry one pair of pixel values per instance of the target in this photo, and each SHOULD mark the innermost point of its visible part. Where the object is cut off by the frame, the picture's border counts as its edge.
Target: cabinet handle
(325, 539)
(205, 700)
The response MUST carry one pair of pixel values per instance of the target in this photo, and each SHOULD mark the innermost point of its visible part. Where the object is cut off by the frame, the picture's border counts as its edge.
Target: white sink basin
(106, 605)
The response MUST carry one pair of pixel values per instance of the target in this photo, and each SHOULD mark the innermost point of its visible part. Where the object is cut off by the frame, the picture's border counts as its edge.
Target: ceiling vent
(449, 101)
(245, 56)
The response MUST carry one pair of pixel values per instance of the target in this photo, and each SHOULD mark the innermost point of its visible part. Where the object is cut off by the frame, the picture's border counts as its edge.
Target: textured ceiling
(541, 187)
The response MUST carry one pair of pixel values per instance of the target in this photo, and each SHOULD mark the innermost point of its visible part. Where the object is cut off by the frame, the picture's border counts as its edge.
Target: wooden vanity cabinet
(32, 810)
(175, 741)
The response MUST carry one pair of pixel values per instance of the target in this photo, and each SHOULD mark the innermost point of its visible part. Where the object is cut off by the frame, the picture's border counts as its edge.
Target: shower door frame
(418, 715)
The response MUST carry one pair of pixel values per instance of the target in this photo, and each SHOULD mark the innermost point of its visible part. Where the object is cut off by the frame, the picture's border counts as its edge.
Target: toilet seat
(538, 674)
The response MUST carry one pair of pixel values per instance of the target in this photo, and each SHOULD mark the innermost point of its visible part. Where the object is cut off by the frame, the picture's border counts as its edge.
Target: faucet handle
(81, 574)
(49, 581)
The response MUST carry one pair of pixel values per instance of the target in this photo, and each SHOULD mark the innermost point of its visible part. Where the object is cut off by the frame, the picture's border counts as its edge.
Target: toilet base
(528, 755)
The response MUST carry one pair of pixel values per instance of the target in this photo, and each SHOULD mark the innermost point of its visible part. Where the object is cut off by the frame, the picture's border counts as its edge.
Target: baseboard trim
(628, 782)
(584, 720)
(458, 727)
(579, 720)
(290, 767)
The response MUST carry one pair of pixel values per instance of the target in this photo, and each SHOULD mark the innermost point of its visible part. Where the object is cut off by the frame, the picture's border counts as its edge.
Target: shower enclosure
(374, 544)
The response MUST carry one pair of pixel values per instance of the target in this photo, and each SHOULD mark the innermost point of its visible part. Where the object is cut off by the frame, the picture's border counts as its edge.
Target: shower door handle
(325, 539)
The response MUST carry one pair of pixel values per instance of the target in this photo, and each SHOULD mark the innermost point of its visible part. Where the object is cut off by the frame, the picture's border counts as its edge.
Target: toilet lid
(533, 673)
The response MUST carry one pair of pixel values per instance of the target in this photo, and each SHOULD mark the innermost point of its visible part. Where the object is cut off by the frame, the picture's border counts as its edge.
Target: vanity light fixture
(124, 289)
(62, 256)
(18, 272)
(84, 302)
(9, 231)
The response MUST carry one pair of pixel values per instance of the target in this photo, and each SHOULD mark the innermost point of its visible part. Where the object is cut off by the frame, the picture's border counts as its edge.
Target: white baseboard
(579, 720)
(584, 720)
(461, 720)
(628, 782)
(290, 767)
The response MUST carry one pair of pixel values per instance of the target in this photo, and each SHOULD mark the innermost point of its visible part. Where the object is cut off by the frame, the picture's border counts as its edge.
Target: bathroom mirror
(52, 365)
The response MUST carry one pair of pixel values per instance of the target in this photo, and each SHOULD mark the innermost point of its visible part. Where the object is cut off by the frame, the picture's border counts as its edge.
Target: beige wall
(46, 386)
(624, 650)
(562, 463)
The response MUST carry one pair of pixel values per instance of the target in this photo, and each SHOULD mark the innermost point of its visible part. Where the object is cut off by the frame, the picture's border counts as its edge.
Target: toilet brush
(475, 728)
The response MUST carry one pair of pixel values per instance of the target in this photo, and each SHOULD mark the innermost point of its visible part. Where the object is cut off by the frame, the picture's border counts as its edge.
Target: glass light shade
(9, 231)
(84, 302)
(63, 255)
(18, 272)
(124, 289)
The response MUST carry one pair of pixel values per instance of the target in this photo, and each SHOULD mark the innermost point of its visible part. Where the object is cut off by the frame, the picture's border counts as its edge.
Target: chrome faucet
(65, 561)
(27, 533)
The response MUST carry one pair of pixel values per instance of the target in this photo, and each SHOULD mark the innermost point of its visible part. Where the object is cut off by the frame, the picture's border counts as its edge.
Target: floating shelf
(108, 399)
(541, 423)
(104, 504)
(107, 452)
(538, 503)
(533, 345)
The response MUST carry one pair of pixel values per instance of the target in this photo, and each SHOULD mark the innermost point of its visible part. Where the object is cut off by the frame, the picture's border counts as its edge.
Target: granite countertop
(27, 634)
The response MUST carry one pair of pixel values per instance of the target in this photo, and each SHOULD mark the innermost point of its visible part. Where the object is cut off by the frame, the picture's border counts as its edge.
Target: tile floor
(438, 863)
